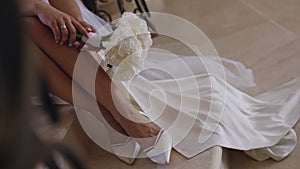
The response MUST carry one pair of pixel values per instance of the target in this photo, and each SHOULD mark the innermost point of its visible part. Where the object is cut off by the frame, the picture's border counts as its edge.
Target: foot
(154, 141)
(116, 132)
(123, 146)
(145, 133)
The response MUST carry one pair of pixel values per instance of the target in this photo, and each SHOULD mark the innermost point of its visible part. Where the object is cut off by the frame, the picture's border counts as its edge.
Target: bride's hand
(61, 24)
(89, 28)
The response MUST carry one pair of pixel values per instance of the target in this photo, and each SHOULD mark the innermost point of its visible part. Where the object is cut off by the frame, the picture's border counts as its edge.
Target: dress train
(203, 109)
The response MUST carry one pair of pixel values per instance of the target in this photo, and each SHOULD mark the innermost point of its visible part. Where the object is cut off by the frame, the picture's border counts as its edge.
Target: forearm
(68, 6)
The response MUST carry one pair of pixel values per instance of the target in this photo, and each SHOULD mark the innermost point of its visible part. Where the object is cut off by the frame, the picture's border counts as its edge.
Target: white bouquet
(126, 48)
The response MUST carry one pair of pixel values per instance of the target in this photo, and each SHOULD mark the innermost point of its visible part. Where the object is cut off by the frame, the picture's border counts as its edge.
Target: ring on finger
(89, 29)
(63, 27)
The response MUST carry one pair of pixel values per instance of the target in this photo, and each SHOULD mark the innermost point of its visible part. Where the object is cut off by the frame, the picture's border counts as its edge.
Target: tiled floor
(262, 34)
(95, 157)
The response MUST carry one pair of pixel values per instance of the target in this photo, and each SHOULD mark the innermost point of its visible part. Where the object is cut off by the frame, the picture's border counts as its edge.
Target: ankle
(117, 137)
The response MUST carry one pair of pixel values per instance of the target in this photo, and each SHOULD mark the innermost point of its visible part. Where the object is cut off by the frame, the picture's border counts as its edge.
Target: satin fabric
(203, 109)
(262, 124)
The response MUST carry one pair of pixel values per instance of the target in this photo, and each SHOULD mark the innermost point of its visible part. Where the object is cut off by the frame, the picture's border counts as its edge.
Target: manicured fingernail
(76, 43)
(89, 29)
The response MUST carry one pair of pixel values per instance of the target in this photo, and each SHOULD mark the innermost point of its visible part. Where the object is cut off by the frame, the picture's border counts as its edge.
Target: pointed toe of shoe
(127, 151)
(160, 152)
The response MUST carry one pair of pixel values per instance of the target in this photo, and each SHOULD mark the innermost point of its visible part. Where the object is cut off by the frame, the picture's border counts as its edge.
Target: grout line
(268, 18)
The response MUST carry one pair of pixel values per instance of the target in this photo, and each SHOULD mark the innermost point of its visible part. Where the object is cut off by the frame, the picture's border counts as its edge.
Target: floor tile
(284, 13)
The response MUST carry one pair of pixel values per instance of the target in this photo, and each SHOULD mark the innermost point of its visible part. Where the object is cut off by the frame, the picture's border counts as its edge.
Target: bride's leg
(61, 85)
(66, 57)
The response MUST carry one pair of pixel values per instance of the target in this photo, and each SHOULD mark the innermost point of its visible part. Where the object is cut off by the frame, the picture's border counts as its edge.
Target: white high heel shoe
(127, 151)
(160, 152)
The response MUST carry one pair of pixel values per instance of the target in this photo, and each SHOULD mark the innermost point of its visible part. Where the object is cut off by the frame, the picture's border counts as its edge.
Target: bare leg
(66, 58)
(61, 85)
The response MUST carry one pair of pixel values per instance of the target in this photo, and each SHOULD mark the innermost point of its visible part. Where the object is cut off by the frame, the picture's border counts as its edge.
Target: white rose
(122, 32)
(138, 25)
(129, 67)
(145, 39)
(127, 47)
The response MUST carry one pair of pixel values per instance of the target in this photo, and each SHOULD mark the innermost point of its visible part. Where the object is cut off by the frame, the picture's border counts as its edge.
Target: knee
(35, 27)
(30, 21)
(33, 23)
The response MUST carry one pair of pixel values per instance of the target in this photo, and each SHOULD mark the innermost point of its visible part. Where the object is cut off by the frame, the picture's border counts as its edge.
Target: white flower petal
(127, 48)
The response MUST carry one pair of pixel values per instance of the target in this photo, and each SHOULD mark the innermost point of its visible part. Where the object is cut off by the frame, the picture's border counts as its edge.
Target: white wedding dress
(202, 109)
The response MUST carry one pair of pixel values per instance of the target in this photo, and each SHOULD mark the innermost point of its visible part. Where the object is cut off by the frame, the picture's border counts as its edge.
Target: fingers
(66, 28)
(64, 31)
(56, 32)
(67, 31)
(72, 33)
(78, 44)
(80, 28)
(87, 26)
